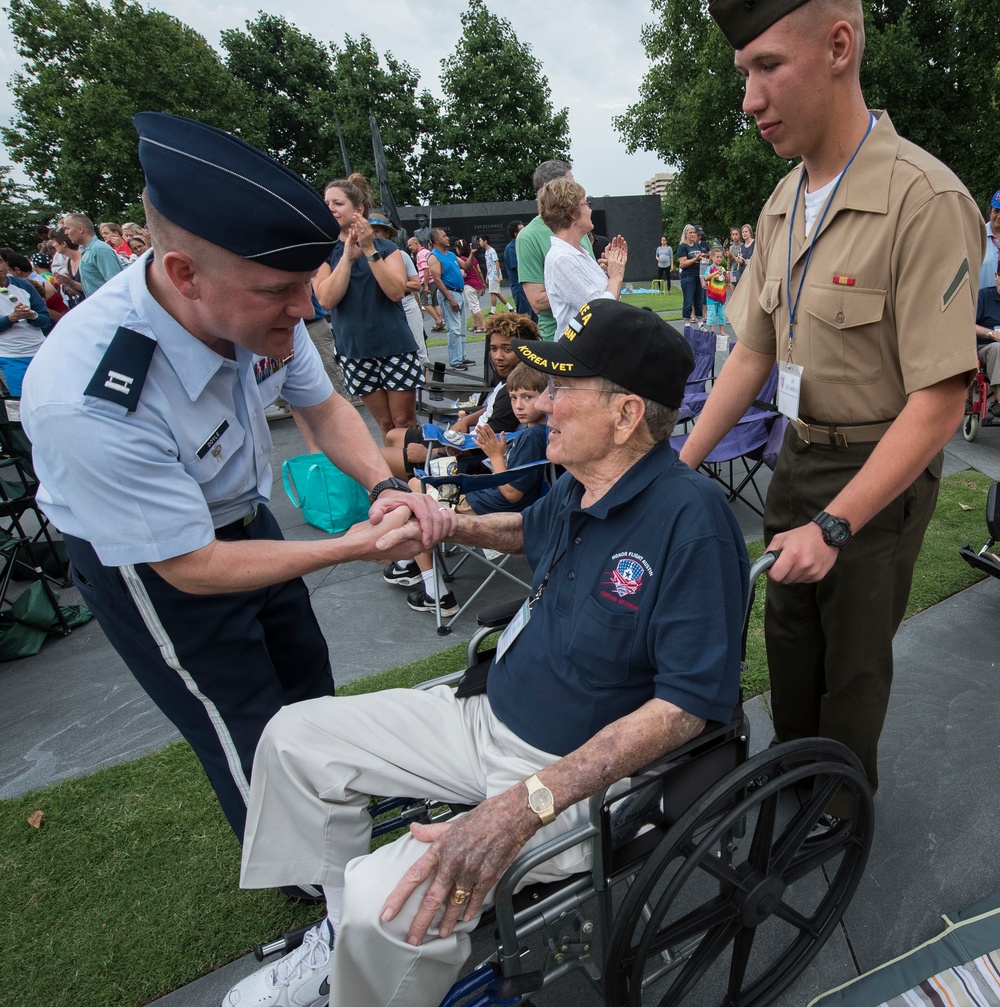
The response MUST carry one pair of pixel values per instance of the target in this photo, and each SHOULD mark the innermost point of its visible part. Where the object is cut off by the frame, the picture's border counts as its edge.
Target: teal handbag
(328, 499)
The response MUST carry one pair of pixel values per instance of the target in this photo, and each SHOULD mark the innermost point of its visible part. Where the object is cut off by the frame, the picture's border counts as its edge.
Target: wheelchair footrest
(986, 562)
(510, 987)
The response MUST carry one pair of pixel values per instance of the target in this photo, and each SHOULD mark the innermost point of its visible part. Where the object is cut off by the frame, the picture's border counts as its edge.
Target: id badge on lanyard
(789, 388)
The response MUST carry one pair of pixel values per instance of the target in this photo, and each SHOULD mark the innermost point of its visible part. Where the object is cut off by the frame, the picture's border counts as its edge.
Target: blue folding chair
(702, 343)
(744, 444)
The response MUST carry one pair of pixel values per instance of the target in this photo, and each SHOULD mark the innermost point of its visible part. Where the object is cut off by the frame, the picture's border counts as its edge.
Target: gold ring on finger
(460, 896)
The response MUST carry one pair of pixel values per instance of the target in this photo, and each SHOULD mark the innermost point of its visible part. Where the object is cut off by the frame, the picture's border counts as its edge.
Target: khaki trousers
(829, 645)
(307, 822)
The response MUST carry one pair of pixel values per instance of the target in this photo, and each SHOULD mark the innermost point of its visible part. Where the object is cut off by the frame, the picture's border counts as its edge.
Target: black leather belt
(456, 290)
(235, 529)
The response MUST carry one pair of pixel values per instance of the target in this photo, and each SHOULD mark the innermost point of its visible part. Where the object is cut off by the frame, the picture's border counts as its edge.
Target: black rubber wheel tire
(686, 928)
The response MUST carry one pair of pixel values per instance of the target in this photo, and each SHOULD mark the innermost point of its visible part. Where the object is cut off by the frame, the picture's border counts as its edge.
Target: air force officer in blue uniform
(146, 413)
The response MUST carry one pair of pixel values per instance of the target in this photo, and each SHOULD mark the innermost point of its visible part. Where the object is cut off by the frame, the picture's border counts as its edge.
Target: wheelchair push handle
(760, 565)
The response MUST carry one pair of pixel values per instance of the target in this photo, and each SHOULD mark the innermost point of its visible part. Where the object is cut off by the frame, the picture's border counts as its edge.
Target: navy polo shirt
(645, 598)
(987, 311)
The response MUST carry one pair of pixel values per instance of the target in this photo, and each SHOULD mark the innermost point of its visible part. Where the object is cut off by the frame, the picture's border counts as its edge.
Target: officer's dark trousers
(829, 645)
(218, 666)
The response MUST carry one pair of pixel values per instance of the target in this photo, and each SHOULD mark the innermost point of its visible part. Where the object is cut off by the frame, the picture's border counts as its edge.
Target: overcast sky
(589, 49)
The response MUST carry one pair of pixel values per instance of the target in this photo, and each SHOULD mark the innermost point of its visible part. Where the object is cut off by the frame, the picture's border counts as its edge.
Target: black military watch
(375, 256)
(836, 530)
(392, 483)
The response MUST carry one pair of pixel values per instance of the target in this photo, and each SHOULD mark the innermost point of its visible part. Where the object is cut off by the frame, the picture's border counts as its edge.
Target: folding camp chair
(18, 487)
(744, 444)
(449, 487)
(702, 343)
(441, 397)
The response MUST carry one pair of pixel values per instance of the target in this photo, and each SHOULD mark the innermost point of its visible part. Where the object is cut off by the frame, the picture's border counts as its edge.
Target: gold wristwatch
(540, 800)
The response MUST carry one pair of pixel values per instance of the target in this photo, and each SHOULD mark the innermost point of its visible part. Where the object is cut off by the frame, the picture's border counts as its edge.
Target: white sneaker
(300, 979)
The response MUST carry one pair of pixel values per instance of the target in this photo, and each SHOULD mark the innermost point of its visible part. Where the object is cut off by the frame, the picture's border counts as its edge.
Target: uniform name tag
(216, 434)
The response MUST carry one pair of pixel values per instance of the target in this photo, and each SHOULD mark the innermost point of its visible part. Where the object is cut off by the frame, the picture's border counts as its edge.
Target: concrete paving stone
(72, 709)
(983, 454)
(935, 839)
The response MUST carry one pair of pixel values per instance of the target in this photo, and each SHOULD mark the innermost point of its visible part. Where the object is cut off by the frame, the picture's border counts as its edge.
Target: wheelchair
(709, 884)
(982, 559)
(977, 412)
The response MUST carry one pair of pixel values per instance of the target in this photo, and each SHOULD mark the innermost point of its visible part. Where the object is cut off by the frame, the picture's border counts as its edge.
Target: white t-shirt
(492, 264)
(572, 278)
(21, 339)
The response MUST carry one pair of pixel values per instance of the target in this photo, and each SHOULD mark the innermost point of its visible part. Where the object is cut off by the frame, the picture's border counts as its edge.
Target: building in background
(657, 185)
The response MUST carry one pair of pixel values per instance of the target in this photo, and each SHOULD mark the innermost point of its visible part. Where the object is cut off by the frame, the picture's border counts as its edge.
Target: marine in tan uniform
(882, 331)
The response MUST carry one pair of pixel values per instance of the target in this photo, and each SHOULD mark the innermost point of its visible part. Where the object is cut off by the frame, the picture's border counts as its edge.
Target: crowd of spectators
(39, 286)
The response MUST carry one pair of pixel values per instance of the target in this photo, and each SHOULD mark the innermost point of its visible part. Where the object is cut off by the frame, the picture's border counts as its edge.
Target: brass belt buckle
(837, 439)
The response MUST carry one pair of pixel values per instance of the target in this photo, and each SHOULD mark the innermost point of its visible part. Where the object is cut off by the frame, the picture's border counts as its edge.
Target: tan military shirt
(889, 300)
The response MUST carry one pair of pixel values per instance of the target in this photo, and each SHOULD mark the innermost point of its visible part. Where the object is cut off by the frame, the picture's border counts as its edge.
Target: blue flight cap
(231, 194)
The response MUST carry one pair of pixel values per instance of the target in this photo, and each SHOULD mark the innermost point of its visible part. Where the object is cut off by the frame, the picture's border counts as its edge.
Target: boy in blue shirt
(524, 385)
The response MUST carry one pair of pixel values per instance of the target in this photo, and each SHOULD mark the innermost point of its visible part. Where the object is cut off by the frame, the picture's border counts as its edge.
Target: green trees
(933, 65)
(304, 86)
(19, 213)
(407, 119)
(88, 66)
(689, 113)
(88, 69)
(497, 122)
(290, 75)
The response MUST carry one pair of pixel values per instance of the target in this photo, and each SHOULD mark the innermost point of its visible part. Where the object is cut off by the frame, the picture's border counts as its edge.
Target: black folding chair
(20, 516)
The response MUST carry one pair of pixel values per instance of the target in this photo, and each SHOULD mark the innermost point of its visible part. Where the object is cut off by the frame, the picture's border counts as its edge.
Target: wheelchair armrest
(498, 615)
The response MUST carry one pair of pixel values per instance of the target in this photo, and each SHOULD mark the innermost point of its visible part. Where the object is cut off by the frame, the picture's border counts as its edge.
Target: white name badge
(509, 635)
(789, 387)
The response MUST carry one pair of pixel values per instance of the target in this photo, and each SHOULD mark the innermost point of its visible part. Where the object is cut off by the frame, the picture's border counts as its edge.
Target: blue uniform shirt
(193, 456)
(645, 599)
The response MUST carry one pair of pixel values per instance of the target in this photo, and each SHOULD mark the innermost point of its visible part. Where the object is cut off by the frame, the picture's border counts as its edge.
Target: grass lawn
(668, 305)
(129, 887)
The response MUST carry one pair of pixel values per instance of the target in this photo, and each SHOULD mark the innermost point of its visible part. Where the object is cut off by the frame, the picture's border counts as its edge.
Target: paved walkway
(75, 708)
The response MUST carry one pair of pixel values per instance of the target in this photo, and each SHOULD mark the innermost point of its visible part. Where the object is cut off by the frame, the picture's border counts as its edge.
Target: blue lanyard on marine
(816, 229)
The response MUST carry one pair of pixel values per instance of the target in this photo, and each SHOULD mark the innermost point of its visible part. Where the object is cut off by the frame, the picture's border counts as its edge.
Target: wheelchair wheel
(736, 900)
(970, 427)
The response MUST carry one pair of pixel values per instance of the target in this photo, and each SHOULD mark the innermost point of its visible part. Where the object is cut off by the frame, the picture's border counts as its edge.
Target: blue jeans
(694, 296)
(454, 321)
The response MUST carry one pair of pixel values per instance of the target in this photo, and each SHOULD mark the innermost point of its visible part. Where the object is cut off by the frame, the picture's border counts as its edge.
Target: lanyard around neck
(793, 308)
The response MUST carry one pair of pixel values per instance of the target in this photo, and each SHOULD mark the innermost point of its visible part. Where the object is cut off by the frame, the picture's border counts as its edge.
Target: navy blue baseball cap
(216, 186)
(633, 347)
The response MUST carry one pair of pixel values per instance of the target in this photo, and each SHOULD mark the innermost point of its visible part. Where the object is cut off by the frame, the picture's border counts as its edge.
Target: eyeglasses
(553, 388)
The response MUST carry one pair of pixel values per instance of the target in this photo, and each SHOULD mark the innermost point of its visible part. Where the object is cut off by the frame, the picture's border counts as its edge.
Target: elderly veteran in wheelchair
(628, 647)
